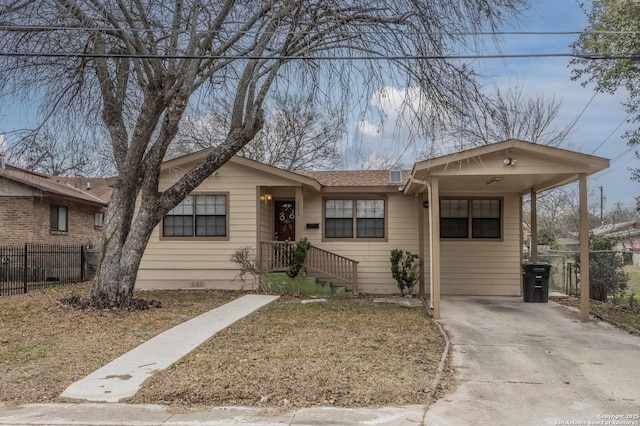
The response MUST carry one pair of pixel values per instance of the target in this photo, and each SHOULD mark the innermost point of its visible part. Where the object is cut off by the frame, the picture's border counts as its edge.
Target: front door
(285, 227)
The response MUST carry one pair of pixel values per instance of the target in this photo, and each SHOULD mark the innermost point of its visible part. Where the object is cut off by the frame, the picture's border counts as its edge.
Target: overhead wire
(611, 134)
(18, 28)
(593, 56)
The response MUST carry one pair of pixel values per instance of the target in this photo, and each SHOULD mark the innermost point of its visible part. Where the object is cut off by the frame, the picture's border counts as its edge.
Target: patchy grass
(347, 353)
(282, 284)
(342, 352)
(621, 314)
(634, 277)
(45, 347)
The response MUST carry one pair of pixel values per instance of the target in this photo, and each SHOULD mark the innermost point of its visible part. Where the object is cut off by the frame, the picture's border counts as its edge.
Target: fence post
(82, 262)
(25, 267)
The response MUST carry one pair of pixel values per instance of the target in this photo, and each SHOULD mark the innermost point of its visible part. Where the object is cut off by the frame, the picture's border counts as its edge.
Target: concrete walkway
(122, 377)
(517, 364)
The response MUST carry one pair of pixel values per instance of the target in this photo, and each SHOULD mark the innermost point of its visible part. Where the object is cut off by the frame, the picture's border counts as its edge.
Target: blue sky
(601, 120)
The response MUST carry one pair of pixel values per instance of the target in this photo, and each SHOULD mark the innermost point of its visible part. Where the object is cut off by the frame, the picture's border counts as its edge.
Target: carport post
(434, 245)
(533, 250)
(584, 250)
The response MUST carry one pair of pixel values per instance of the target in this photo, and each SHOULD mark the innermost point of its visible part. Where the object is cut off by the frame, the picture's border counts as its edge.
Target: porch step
(335, 286)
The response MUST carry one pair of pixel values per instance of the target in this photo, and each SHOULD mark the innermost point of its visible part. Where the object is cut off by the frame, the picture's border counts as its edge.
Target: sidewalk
(157, 415)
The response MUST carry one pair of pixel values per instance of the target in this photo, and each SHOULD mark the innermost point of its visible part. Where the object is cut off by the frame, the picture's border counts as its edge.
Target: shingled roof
(60, 187)
(354, 177)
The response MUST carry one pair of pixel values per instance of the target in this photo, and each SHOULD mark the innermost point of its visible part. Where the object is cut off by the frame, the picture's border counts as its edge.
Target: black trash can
(535, 277)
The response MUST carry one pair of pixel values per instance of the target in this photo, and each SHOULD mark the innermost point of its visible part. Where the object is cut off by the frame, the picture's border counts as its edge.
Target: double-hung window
(354, 218)
(471, 218)
(197, 216)
(98, 219)
(58, 218)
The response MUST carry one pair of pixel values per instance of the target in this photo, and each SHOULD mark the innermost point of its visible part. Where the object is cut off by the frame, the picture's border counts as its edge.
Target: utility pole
(601, 206)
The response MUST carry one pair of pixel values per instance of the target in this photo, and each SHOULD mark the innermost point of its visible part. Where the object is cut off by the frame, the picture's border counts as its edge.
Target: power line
(20, 28)
(578, 117)
(590, 56)
(611, 134)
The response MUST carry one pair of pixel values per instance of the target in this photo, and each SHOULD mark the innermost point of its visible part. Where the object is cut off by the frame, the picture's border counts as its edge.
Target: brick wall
(17, 220)
(26, 220)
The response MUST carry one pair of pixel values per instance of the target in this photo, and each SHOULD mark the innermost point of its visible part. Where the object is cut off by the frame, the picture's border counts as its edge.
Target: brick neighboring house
(39, 209)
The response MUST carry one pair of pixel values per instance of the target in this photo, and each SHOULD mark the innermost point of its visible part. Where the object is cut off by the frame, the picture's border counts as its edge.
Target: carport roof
(488, 169)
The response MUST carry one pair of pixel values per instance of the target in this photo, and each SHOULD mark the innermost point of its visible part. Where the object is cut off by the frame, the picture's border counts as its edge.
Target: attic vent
(395, 176)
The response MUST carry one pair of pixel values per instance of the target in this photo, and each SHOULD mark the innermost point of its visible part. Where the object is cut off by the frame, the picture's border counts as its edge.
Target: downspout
(434, 244)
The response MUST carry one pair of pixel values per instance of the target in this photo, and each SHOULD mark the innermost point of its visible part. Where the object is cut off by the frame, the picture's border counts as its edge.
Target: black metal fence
(37, 266)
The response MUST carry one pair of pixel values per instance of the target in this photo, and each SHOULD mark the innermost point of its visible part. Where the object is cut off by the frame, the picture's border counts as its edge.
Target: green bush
(606, 273)
(404, 269)
(299, 255)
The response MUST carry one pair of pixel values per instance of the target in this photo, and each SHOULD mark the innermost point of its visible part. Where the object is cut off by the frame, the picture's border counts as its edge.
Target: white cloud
(367, 128)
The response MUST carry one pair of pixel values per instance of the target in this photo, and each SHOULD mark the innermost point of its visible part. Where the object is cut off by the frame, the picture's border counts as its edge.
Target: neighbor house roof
(619, 230)
(60, 187)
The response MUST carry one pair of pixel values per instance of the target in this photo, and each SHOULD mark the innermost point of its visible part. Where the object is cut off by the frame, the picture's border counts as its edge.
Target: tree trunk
(126, 231)
(120, 254)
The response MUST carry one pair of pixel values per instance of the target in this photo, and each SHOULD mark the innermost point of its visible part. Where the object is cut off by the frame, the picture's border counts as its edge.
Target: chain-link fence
(606, 272)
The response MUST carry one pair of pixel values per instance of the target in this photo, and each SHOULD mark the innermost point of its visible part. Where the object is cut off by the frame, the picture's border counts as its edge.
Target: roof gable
(509, 166)
(190, 160)
(56, 187)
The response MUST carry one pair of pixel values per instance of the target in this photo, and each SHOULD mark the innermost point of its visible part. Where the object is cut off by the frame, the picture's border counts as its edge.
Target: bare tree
(135, 66)
(44, 151)
(295, 136)
(509, 114)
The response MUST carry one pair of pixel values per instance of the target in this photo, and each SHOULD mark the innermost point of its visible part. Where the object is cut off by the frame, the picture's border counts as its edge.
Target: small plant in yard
(246, 258)
(404, 269)
(632, 299)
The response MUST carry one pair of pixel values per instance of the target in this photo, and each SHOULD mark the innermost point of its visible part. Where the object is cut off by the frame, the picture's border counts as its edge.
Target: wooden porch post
(299, 213)
(434, 245)
(533, 250)
(420, 201)
(584, 250)
(258, 226)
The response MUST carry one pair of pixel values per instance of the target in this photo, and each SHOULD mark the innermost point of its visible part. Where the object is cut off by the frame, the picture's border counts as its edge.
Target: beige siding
(485, 267)
(184, 264)
(374, 268)
(468, 267)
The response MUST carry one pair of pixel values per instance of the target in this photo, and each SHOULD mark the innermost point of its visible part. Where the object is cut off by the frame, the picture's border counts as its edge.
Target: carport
(482, 189)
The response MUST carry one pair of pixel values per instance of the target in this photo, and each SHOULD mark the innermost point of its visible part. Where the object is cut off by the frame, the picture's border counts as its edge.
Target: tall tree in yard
(612, 43)
(134, 67)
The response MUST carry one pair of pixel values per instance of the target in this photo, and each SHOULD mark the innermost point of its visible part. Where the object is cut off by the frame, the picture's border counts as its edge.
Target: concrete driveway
(536, 364)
